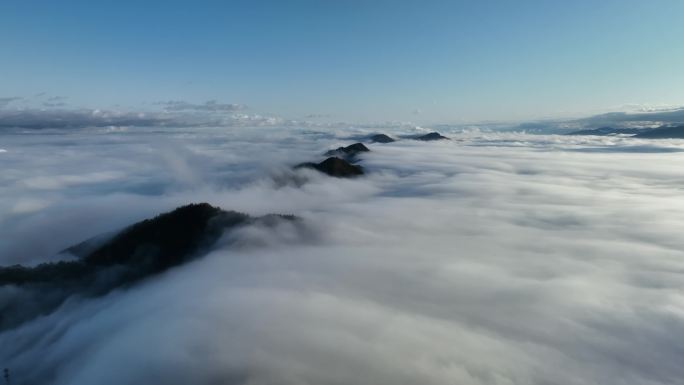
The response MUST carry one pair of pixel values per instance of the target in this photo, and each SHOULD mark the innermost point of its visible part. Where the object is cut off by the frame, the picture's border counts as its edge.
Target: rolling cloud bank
(489, 258)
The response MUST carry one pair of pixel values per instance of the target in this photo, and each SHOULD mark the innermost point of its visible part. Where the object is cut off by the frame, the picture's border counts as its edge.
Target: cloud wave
(493, 258)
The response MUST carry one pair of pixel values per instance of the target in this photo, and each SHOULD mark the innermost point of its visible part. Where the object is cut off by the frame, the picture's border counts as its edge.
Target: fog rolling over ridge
(490, 258)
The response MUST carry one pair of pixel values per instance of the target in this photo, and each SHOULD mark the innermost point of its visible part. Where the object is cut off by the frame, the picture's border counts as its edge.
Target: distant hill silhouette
(644, 133)
(348, 152)
(335, 167)
(135, 253)
(381, 138)
(604, 131)
(431, 136)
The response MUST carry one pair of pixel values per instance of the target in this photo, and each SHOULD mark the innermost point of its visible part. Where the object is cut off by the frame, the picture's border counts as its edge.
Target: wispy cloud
(55, 101)
(210, 106)
(58, 117)
(4, 101)
(77, 118)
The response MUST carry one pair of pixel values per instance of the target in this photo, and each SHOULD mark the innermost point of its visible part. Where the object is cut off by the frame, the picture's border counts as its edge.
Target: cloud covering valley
(491, 258)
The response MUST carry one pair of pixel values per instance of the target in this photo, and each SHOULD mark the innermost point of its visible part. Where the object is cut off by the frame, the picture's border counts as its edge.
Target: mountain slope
(142, 250)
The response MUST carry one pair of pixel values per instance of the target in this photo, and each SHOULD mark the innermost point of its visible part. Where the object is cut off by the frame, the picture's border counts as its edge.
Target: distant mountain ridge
(605, 131)
(335, 167)
(665, 132)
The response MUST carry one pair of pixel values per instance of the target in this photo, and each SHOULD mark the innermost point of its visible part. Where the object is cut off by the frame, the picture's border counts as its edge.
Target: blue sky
(423, 61)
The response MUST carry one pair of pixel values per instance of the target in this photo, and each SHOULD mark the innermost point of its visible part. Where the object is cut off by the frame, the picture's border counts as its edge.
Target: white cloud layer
(493, 258)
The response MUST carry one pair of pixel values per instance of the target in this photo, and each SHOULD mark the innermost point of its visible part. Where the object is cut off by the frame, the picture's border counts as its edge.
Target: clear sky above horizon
(429, 61)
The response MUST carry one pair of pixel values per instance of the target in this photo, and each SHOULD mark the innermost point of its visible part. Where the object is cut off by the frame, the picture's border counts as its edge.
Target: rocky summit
(381, 138)
(349, 151)
(335, 167)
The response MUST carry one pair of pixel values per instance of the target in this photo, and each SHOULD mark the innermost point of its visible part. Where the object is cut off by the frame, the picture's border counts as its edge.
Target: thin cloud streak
(211, 106)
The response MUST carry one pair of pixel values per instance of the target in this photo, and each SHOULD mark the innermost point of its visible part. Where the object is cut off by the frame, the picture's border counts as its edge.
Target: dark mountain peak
(167, 238)
(336, 167)
(139, 251)
(349, 151)
(431, 136)
(339, 168)
(381, 138)
(356, 147)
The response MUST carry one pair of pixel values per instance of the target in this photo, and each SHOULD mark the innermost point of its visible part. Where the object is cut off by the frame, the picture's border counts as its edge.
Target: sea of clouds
(492, 258)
